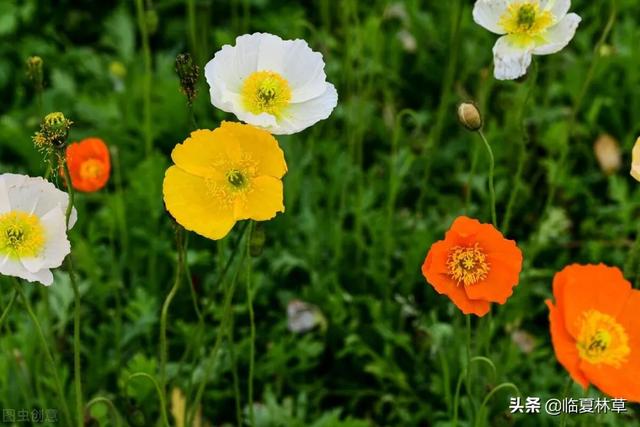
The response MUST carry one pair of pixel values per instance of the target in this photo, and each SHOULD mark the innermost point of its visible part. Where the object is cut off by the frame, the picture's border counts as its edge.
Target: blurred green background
(367, 192)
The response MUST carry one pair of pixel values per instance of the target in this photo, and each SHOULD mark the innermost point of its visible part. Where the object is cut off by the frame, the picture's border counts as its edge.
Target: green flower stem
(631, 269)
(492, 191)
(227, 313)
(77, 367)
(193, 40)
(7, 309)
(146, 84)
(47, 352)
(443, 106)
(517, 180)
(165, 308)
(163, 403)
(481, 416)
(252, 351)
(578, 103)
(114, 412)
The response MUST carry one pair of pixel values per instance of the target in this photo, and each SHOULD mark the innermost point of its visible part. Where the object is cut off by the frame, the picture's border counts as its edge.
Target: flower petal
(511, 60)
(558, 8)
(487, 13)
(189, 200)
(565, 346)
(635, 162)
(558, 36)
(302, 115)
(263, 201)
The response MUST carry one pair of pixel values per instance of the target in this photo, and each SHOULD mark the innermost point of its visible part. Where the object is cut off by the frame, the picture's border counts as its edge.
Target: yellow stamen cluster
(525, 20)
(467, 265)
(266, 92)
(21, 235)
(237, 183)
(91, 169)
(602, 340)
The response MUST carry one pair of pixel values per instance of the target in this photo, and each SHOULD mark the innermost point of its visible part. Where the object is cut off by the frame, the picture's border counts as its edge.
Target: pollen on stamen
(467, 265)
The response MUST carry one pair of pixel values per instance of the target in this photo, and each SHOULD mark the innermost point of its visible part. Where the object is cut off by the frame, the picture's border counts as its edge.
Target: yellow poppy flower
(222, 176)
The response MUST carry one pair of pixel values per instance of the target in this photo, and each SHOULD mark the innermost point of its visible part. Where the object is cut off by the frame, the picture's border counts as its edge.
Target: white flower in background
(278, 85)
(33, 234)
(528, 27)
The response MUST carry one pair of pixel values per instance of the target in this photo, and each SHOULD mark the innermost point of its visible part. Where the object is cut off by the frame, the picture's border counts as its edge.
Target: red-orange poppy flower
(474, 266)
(89, 164)
(595, 328)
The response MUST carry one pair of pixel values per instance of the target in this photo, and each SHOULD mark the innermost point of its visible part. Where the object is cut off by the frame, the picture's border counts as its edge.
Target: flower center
(602, 340)
(526, 20)
(236, 178)
(21, 235)
(265, 92)
(467, 265)
(91, 169)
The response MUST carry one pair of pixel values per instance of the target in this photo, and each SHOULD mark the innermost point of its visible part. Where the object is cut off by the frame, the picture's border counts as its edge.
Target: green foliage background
(367, 192)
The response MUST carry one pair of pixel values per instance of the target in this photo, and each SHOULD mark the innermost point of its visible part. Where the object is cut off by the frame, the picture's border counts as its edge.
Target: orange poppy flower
(89, 164)
(474, 266)
(595, 328)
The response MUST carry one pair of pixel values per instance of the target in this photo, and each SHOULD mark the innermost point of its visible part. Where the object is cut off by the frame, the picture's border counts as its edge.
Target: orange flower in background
(595, 328)
(89, 164)
(474, 266)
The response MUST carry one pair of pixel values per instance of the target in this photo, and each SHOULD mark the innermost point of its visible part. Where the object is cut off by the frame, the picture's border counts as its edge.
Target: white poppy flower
(527, 27)
(33, 235)
(278, 85)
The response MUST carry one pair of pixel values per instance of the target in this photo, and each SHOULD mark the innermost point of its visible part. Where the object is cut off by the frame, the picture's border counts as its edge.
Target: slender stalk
(578, 103)
(492, 191)
(252, 350)
(234, 372)
(191, 16)
(468, 368)
(7, 309)
(447, 83)
(77, 367)
(524, 141)
(47, 352)
(480, 418)
(161, 398)
(146, 84)
(227, 312)
(164, 314)
(631, 269)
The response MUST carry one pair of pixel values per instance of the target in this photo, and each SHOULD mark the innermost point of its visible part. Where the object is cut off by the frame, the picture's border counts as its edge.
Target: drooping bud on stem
(469, 116)
(188, 72)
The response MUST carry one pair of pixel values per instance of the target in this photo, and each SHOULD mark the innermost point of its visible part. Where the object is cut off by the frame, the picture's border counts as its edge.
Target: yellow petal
(199, 154)
(198, 205)
(635, 160)
(257, 144)
(262, 201)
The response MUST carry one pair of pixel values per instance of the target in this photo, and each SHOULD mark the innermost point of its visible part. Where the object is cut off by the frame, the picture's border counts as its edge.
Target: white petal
(510, 60)
(301, 116)
(558, 8)
(57, 246)
(487, 13)
(10, 267)
(5, 205)
(271, 53)
(35, 195)
(304, 71)
(559, 35)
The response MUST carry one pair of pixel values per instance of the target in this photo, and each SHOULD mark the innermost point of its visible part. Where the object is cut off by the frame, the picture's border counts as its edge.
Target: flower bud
(469, 116)
(607, 152)
(188, 72)
(34, 72)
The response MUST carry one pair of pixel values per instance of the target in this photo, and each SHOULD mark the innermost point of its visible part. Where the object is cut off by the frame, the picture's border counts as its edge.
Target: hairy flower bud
(34, 72)
(469, 116)
(188, 72)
